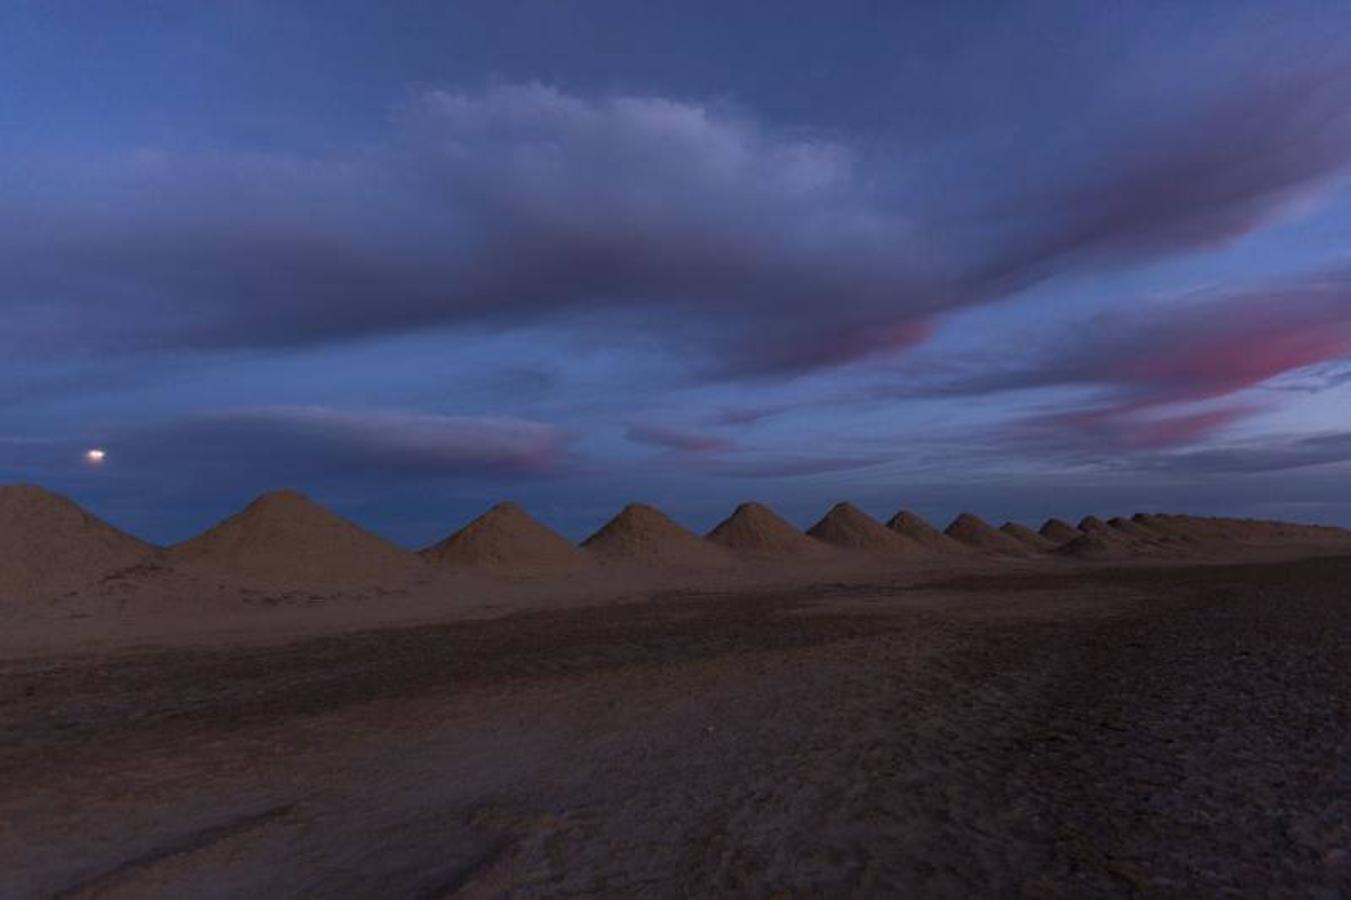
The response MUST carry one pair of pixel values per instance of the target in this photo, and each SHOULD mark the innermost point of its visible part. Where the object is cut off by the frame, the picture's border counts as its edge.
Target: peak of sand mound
(975, 532)
(754, 529)
(848, 527)
(1059, 532)
(48, 542)
(1027, 537)
(284, 538)
(907, 524)
(1092, 524)
(643, 535)
(506, 539)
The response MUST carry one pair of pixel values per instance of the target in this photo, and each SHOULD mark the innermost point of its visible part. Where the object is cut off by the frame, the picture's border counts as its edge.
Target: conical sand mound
(1133, 529)
(507, 540)
(848, 527)
(907, 524)
(1059, 532)
(642, 535)
(756, 530)
(975, 532)
(1092, 525)
(47, 542)
(284, 539)
(1027, 537)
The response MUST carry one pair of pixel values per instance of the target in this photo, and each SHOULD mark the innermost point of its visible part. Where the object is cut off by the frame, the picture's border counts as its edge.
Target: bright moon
(94, 456)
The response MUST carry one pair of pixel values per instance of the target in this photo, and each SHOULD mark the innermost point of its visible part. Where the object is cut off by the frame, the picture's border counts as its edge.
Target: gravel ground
(1149, 732)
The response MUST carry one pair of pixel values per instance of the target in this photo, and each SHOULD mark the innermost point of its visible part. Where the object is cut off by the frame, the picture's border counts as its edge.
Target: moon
(94, 457)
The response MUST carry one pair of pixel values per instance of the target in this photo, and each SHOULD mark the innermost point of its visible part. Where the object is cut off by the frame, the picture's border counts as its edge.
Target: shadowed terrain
(1168, 731)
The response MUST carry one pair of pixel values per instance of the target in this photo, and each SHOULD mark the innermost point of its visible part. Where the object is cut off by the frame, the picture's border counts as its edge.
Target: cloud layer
(743, 248)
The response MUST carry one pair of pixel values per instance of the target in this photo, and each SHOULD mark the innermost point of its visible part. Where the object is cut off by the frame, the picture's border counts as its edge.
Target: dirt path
(1157, 732)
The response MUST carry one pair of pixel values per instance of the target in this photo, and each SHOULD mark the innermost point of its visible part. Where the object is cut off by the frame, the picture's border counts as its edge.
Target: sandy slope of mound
(285, 539)
(921, 532)
(848, 527)
(1097, 545)
(47, 542)
(643, 535)
(508, 541)
(1027, 537)
(1059, 532)
(975, 532)
(754, 529)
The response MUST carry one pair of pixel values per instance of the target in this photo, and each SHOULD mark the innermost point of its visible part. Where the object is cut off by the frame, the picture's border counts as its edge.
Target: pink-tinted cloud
(1136, 427)
(1152, 362)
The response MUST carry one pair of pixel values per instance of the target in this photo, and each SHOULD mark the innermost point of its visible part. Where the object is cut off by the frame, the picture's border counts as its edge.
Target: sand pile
(921, 532)
(754, 529)
(642, 535)
(508, 541)
(1059, 532)
(848, 527)
(1093, 525)
(283, 539)
(49, 543)
(975, 532)
(1027, 537)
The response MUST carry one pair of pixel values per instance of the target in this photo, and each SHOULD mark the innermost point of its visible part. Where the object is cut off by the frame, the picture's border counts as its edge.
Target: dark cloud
(1278, 454)
(785, 465)
(1183, 168)
(751, 250)
(675, 439)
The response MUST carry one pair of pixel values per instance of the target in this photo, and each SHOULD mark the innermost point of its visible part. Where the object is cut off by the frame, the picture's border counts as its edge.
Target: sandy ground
(1138, 732)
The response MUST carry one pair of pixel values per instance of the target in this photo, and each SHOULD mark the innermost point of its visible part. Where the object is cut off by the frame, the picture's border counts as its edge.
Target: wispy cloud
(316, 442)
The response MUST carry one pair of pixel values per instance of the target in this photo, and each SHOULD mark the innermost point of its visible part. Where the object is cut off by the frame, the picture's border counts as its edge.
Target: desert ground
(950, 723)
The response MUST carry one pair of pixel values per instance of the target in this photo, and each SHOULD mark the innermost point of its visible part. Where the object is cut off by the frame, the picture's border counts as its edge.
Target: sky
(413, 258)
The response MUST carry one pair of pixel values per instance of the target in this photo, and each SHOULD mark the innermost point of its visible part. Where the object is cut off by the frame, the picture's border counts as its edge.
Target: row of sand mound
(282, 538)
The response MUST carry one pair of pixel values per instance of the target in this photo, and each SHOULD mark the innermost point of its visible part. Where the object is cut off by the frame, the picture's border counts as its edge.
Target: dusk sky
(1022, 259)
